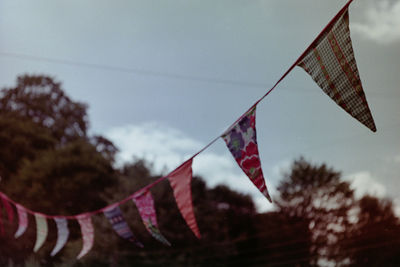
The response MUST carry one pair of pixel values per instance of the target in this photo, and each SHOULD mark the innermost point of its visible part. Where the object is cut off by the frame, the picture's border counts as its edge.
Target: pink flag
(180, 180)
(241, 140)
(22, 221)
(330, 62)
(85, 222)
(41, 231)
(145, 205)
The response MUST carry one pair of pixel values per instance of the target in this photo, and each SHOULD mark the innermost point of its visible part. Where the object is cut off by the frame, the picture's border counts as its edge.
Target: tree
(41, 100)
(316, 194)
(374, 238)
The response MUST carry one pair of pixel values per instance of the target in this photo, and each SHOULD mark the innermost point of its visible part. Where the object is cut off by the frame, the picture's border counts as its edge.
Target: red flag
(180, 180)
(330, 62)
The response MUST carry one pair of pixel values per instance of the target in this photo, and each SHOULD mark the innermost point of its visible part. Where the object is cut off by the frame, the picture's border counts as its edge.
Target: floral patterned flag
(180, 180)
(22, 221)
(145, 205)
(62, 234)
(85, 222)
(41, 231)
(330, 62)
(241, 140)
(114, 216)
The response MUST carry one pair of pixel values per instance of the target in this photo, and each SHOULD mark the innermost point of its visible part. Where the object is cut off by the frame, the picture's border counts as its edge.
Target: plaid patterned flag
(62, 234)
(330, 62)
(114, 216)
(41, 231)
(85, 222)
(145, 204)
(241, 140)
(22, 221)
(180, 180)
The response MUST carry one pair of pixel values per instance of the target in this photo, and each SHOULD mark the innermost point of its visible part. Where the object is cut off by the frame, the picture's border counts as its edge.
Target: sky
(164, 78)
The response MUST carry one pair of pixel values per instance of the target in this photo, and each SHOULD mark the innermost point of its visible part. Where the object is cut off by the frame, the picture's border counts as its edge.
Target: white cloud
(163, 146)
(382, 22)
(166, 148)
(363, 183)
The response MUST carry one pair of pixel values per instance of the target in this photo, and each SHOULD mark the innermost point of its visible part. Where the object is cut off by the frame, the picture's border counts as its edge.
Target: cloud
(363, 183)
(163, 146)
(397, 159)
(166, 148)
(382, 23)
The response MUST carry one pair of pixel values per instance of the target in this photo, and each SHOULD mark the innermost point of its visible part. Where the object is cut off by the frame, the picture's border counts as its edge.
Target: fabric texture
(332, 65)
(180, 180)
(241, 140)
(62, 234)
(41, 231)
(145, 204)
(115, 217)
(85, 222)
(22, 221)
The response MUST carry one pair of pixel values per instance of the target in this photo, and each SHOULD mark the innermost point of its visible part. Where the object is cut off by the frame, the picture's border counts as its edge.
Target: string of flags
(329, 60)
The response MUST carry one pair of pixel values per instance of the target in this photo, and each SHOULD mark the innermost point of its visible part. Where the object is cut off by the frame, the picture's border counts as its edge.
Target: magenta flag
(180, 180)
(85, 222)
(241, 140)
(331, 63)
(8, 208)
(145, 204)
(22, 221)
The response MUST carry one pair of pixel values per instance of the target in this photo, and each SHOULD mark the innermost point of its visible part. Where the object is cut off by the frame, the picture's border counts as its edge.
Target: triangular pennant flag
(85, 222)
(145, 205)
(22, 221)
(241, 140)
(180, 180)
(1, 222)
(41, 231)
(330, 62)
(62, 234)
(115, 217)
(9, 209)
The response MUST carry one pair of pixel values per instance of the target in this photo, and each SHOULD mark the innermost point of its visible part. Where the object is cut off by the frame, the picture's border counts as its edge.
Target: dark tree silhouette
(316, 194)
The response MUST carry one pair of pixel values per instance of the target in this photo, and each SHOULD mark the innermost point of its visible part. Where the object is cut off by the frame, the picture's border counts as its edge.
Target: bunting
(180, 180)
(8, 208)
(85, 222)
(22, 221)
(115, 217)
(241, 140)
(331, 64)
(329, 61)
(41, 231)
(62, 234)
(145, 204)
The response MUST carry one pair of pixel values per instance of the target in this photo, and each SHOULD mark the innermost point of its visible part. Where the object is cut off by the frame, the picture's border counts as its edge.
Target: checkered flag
(330, 62)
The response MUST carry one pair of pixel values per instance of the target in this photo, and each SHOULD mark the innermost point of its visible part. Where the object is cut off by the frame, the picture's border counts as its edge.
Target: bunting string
(240, 138)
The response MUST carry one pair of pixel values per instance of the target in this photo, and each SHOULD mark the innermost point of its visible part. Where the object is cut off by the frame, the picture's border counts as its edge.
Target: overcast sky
(163, 78)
